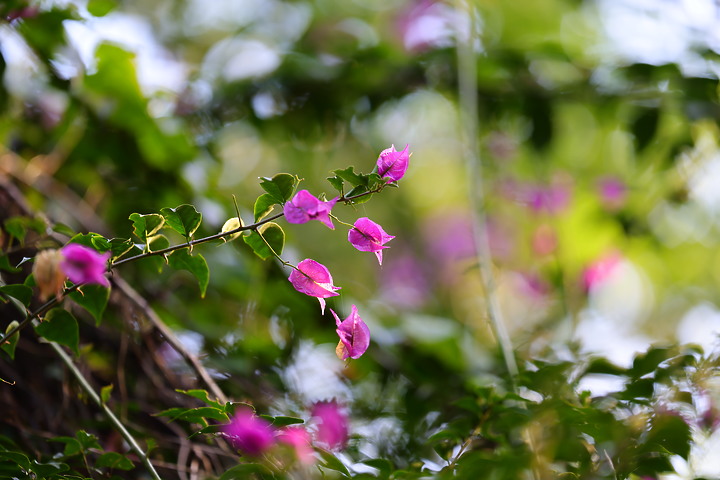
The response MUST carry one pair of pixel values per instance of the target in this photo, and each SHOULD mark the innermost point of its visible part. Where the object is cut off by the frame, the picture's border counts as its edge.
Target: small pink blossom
(332, 425)
(83, 264)
(368, 236)
(305, 207)
(392, 164)
(354, 335)
(299, 439)
(600, 270)
(313, 279)
(613, 192)
(250, 433)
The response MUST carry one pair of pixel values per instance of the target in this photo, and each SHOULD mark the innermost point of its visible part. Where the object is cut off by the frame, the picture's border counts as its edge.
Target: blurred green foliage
(133, 124)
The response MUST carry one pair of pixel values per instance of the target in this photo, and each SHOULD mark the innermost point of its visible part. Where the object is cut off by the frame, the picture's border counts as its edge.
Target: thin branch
(468, 100)
(90, 391)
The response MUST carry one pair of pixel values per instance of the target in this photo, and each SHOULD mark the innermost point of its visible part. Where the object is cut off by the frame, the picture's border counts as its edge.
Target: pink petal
(332, 429)
(393, 164)
(83, 264)
(354, 334)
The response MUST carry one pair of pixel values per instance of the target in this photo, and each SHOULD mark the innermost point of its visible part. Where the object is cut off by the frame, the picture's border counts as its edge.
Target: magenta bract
(368, 236)
(392, 164)
(305, 207)
(332, 425)
(354, 335)
(250, 433)
(313, 279)
(299, 439)
(83, 264)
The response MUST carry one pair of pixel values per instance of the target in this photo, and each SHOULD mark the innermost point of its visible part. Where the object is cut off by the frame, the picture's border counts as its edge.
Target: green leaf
(245, 471)
(348, 174)
(100, 8)
(92, 240)
(21, 460)
(194, 415)
(121, 246)
(336, 182)
(282, 421)
(331, 461)
(232, 224)
(60, 326)
(114, 460)
(183, 219)
(9, 345)
(195, 264)
(145, 226)
(5, 265)
(105, 393)
(92, 298)
(357, 191)
(201, 395)
(669, 433)
(280, 186)
(385, 466)
(263, 206)
(72, 445)
(63, 229)
(154, 244)
(273, 234)
(20, 292)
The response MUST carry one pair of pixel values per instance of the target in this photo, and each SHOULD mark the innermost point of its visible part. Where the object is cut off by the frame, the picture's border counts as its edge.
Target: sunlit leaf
(9, 345)
(280, 186)
(263, 206)
(145, 226)
(232, 224)
(184, 219)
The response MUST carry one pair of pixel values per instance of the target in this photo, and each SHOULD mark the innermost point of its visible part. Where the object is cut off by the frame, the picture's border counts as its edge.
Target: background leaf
(61, 327)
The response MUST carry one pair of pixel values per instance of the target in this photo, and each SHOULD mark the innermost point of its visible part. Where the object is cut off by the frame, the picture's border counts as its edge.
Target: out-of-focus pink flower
(392, 164)
(613, 192)
(549, 199)
(450, 237)
(354, 335)
(404, 283)
(83, 264)
(250, 433)
(368, 236)
(544, 240)
(299, 439)
(600, 270)
(313, 278)
(428, 24)
(304, 207)
(332, 425)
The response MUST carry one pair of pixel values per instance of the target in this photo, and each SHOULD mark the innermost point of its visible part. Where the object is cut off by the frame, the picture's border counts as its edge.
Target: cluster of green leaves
(81, 455)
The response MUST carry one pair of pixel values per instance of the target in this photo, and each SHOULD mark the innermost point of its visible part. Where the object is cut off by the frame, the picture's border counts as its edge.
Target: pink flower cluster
(314, 279)
(255, 436)
(78, 263)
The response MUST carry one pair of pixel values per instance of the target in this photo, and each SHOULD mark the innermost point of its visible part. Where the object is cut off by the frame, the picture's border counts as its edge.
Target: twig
(467, 90)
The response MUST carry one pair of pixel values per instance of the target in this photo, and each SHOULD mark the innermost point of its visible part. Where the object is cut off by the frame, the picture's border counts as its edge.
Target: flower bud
(49, 276)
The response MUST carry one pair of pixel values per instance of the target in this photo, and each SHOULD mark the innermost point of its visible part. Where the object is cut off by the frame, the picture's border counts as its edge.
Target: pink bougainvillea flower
(299, 439)
(313, 279)
(613, 192)
(368, 236)
(332, 425)
(83, 264)
(354, 335)
(392, 164)
(304, 207)
(600, 270)
(250, 433)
